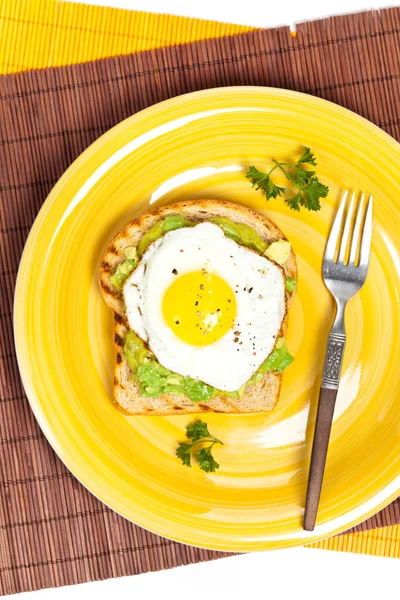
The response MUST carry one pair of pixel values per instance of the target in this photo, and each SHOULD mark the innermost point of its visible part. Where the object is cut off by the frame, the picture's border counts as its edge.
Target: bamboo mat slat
(52, 531)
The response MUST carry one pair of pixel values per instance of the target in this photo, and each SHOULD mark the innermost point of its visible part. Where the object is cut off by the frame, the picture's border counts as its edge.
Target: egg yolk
(199, 307)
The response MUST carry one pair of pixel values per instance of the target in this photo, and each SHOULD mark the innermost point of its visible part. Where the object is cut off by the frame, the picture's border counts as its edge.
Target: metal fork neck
(338, 324)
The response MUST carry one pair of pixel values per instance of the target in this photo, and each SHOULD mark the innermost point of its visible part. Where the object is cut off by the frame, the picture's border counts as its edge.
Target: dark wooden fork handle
(323, 424)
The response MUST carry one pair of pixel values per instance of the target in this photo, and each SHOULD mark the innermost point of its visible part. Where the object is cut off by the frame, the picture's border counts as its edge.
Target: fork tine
(335, 231)
(366, 236)
(357, 231)
(346, 231)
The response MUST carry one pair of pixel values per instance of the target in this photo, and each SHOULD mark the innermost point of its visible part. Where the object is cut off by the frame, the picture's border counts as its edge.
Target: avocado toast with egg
(200, 292)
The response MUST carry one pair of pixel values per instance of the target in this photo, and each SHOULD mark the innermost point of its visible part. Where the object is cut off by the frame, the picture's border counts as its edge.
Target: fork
(344, 270)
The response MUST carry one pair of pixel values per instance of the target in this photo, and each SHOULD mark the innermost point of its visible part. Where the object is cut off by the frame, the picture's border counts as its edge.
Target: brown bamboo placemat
(52, 531)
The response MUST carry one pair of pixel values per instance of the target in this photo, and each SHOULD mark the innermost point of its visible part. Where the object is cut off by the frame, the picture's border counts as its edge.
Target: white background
(297, 573)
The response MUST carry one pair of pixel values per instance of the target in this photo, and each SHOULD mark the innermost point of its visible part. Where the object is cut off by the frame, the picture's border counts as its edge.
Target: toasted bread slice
(260, 397)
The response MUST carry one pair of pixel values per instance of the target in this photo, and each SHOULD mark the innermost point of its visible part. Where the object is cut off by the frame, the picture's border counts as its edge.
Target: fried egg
(207, 307)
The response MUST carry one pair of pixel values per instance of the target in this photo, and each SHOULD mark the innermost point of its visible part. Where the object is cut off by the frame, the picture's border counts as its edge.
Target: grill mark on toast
(104, 286)
(118, 339)
(119, 358)
(118, 318)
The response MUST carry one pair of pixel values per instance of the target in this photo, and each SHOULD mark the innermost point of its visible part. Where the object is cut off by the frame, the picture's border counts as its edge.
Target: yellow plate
(196, 146)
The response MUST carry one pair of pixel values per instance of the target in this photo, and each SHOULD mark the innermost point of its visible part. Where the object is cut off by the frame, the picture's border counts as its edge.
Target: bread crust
(260, 397)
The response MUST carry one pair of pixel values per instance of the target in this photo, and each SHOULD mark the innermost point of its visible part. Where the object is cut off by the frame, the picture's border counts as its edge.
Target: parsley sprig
(198, 433)
(309, 188)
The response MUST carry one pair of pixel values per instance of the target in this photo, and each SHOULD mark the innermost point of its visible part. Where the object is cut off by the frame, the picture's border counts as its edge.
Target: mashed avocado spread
(153, 378)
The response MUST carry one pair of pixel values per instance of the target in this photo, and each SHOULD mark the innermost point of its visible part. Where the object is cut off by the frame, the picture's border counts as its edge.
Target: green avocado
(290, 284)
(278, 360)
(168, 224)
(125, 268)
(236, 394)
(278, 251)
(135, 351)
(150, 236)
(155, 380)
(242, 234)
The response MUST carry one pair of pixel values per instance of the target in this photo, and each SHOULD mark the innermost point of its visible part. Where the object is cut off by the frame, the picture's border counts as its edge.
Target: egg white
(259, 287)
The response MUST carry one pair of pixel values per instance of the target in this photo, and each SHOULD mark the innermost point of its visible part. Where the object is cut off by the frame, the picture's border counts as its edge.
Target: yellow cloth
(384, 541)
(58, 33)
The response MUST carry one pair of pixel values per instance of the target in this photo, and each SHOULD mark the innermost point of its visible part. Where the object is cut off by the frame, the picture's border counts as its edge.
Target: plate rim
(34, 402)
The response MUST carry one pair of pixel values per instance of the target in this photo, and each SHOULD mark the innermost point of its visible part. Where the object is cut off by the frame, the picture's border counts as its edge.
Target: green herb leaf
(273, 190)
(307, 157)
(313, 192)
(258, 179)
(184, 453)
(309, 188)
(206, 460)
(294, 202)
(301, 176)
(197, 430)
(290, 284)
(262, 181)
(199, 434)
